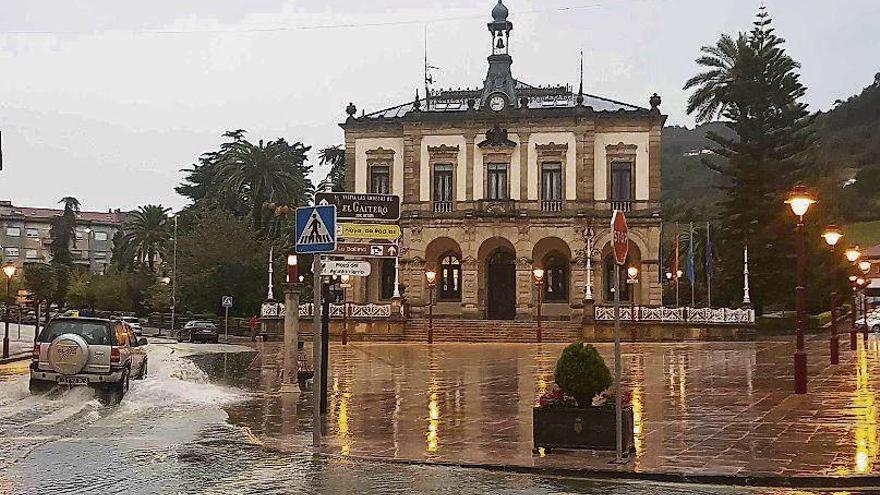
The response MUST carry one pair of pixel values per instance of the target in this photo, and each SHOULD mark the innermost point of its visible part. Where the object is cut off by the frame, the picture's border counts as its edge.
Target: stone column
(524, 166)
(291, 338)
(524, 289)
(470, 306)
(469, 138)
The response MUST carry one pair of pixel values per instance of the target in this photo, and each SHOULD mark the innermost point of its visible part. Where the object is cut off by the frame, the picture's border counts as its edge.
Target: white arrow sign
(353, 268)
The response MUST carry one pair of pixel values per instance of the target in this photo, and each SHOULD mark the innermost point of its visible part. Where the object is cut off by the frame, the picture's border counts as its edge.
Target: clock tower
(499, 89)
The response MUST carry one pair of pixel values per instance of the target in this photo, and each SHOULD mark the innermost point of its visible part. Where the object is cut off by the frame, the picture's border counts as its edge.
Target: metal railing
(443, 206)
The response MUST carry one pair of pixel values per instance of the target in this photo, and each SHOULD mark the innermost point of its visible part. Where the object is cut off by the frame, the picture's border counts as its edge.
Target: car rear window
(93, 332)
(205, 325)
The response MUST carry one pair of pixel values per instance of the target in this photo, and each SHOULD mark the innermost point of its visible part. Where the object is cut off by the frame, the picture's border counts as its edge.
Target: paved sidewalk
(700, 408)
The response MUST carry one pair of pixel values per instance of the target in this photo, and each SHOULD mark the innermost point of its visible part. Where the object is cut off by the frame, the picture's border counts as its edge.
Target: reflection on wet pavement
(210, 419)
(711, 408)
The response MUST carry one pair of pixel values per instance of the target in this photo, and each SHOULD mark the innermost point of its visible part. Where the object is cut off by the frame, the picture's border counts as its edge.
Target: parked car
(135, 324)
(873, 321)
(96, 352)
(199, 331)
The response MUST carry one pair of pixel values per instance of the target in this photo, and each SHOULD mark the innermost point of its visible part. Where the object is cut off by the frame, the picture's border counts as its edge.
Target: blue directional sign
(316, 229)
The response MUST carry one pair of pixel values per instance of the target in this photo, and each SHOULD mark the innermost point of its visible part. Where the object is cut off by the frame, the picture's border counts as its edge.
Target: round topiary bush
(581, 373)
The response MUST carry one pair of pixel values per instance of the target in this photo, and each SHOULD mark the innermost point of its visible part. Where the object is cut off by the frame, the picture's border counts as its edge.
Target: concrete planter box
(580, 428)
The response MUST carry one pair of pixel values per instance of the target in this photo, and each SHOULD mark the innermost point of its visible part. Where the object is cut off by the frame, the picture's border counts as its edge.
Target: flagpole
(708, 265)
(693, 276)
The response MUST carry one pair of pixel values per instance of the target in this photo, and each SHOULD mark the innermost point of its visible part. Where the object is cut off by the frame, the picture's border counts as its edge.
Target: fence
(660, 314)
(306, 310)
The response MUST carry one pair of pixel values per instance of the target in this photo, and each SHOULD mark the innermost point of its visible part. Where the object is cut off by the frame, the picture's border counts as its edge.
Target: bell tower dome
(499, 84)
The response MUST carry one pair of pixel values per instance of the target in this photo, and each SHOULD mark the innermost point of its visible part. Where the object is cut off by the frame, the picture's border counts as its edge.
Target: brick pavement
(700, 408)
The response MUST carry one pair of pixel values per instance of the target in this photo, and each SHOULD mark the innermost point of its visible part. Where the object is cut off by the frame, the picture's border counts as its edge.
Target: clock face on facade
(497, 102)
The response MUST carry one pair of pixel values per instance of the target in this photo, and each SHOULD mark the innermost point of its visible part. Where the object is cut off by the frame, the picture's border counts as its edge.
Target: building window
(32, 233)
(31, 254)
(621, 185)
(13, 231)
(100, 236)
(386, 279)
(380, 179)
(442, 187)
(608, 273)
(11, 252)
(551, 186)
(555, 278)
(497, 181)
(450, 277)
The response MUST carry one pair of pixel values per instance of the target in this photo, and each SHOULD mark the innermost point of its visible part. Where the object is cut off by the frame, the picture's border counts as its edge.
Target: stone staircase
(450, 330)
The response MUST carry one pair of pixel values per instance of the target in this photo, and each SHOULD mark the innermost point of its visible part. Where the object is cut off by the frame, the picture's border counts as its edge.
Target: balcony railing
(443, 206)
(624, 206)
(551, 205)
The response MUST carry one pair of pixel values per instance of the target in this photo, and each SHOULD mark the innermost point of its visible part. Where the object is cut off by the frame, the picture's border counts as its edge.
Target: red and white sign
(621, 237)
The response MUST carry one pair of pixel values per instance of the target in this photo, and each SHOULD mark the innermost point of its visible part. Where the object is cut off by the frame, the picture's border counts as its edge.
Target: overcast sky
(107, 100)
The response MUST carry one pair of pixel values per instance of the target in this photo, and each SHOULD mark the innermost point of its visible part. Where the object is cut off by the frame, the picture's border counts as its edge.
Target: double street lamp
(800, 201)
(853, 254)
(431, 278)
(865, 268)
(9, 271)
(538, 274)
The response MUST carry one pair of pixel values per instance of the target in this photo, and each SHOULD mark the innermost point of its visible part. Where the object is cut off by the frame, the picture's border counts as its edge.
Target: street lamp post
(345, 283)
(852, 255)
(538, 273)
(799, 201)
(668, 278)
(631, 273)
(865, 267)
(431, 278)
(832, 235)
(678, 274)
(9, 270)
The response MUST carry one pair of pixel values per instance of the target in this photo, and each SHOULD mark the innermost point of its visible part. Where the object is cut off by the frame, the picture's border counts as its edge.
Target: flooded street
(211, 423)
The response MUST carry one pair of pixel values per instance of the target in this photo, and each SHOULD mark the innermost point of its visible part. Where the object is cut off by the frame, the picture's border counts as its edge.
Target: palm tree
(715, 87)
(147, 233)
(335, 157)
(273, 172)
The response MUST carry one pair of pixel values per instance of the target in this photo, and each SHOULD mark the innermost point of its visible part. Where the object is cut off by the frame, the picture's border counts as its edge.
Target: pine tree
(753, 84)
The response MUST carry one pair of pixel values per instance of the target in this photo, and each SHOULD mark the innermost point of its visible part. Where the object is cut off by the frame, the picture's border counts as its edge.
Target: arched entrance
(501, 285)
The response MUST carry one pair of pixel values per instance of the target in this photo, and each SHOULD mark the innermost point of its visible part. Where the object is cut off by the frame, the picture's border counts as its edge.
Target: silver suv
(101, 353)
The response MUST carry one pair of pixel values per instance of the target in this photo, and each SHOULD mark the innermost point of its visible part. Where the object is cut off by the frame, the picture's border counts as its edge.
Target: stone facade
(495, 183)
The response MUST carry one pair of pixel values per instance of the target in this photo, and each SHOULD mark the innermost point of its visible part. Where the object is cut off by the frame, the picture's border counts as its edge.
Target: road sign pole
(618, 402)
(325, 344)
(316, 351)
(226, 325)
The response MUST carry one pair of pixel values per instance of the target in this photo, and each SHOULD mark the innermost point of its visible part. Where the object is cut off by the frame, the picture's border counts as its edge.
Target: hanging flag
(675, 268)
(689, 262)
(709, 263)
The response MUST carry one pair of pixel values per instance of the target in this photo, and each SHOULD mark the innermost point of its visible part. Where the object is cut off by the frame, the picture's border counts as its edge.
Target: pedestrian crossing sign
(316, 229)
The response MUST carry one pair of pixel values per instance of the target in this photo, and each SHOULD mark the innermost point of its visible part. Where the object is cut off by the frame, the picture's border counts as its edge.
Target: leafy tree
(147, 234)
(335, 157)
(40, 279)
(63, 232)
(218, 255)
(753, 84)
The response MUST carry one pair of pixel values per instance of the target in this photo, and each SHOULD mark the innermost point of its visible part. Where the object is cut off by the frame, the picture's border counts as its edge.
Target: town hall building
(497, 181)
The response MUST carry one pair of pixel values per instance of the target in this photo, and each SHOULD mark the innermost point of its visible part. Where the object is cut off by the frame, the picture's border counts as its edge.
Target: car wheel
(875, 328)
(39, 386)
(118, 390)
(144, 370)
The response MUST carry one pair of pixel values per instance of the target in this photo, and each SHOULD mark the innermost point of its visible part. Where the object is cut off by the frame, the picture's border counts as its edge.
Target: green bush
(581, 373)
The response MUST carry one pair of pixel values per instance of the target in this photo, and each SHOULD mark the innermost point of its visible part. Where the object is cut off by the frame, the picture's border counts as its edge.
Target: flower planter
(580, 428)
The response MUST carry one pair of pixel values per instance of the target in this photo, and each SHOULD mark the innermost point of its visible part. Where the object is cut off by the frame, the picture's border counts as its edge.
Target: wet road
(173, 434)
